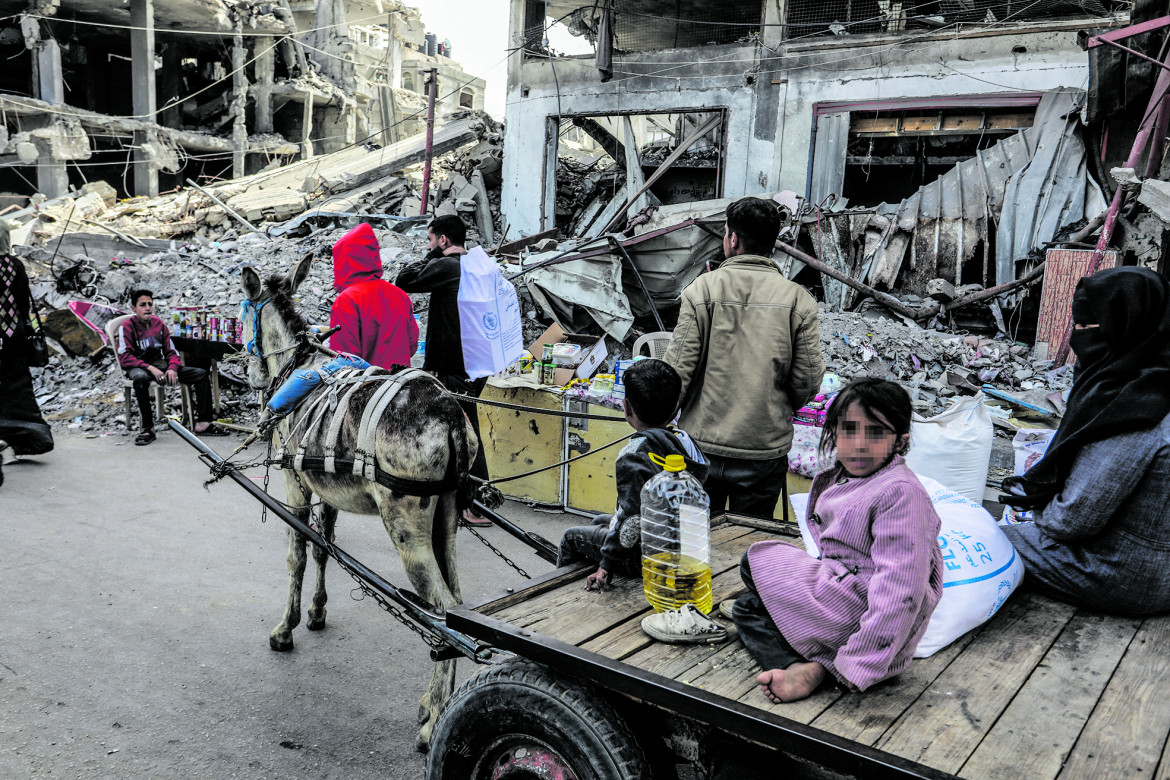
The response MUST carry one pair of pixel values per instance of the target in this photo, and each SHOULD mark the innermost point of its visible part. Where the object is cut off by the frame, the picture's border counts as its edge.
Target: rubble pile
(934, 366)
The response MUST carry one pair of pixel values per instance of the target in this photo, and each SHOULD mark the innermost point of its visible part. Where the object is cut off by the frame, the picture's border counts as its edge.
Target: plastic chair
(160, 400)
(655, 343)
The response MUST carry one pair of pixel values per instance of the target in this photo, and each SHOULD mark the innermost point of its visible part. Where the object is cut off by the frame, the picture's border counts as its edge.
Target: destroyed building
(147, 94)
(857, 106)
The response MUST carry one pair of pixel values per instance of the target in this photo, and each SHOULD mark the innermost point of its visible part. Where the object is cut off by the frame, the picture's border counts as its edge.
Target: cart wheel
(520, 721)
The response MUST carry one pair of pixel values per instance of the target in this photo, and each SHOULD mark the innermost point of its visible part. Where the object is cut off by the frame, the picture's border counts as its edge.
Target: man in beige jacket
(749, 353)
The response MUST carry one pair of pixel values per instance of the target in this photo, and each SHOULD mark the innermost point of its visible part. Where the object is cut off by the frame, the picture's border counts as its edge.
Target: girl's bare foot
(792, 684)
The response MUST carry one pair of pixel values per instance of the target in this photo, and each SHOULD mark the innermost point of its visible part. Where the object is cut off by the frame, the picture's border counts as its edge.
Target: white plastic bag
(805, 458)
(489, 316)
(1029, 445)
(954, 448)
(980, 568)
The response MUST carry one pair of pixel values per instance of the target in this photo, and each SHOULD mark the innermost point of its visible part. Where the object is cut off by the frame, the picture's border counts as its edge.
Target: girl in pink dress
(856, 613)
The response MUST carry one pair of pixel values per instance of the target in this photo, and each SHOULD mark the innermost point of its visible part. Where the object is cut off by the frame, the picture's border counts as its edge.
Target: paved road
(136, 608)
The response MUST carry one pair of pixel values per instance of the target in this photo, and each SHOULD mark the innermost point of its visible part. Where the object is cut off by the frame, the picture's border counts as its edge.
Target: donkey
(418, 434)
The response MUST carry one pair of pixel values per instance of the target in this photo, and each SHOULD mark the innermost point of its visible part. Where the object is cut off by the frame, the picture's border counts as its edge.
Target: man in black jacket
(438, 275)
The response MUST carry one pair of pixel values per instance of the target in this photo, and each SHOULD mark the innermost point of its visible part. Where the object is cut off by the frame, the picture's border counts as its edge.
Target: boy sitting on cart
(613, 541)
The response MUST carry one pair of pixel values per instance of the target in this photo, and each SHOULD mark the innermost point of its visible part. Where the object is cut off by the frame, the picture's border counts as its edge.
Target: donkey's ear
(250, 280)
(299, 273)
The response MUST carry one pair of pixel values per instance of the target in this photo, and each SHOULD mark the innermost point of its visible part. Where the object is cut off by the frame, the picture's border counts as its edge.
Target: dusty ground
(136, 614)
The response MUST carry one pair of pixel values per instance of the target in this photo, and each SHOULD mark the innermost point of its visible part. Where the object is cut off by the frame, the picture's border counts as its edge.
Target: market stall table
(203, 353)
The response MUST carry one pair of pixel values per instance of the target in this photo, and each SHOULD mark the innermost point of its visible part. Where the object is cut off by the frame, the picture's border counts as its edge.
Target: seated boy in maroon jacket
(145, 353)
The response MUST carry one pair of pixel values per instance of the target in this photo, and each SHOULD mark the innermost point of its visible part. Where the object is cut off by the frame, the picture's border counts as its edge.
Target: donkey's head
(271, 320)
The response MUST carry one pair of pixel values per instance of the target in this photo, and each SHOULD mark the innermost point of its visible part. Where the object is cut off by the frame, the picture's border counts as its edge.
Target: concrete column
(169, 81)
(239, 105)
(50, 83)
(307, 128)
(52, 178)
(142, 89)
(265, 65)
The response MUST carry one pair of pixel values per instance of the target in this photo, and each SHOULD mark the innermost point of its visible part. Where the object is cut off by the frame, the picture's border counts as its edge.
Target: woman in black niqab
(1121, 380)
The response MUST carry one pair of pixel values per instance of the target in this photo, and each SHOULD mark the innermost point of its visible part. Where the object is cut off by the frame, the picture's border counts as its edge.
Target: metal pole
(432, 93)
(541, 546)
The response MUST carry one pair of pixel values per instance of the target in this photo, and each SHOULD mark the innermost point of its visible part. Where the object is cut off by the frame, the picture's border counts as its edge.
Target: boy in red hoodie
(376, 319)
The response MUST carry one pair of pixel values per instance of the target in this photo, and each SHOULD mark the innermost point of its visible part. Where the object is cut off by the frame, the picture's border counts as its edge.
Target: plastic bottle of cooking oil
(676, 553)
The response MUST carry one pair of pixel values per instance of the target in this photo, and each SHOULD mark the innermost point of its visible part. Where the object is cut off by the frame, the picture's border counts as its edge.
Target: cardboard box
(592, 352)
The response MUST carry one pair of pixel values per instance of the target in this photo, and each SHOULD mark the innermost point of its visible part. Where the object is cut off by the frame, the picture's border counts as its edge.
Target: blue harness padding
(250, 309)
(303, 381)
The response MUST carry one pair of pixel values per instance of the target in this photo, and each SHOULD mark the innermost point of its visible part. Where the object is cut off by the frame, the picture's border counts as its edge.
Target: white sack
(489, 316)
(954, 448)
(980, 568)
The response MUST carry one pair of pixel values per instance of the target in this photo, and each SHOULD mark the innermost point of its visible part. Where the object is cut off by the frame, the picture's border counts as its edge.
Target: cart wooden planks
(1042, 691)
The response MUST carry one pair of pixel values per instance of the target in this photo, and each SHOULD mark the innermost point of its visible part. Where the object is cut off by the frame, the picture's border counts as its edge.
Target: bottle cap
(670, 462)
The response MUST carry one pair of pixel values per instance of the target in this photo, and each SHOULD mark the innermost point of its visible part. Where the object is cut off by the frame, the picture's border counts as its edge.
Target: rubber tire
(527, 700)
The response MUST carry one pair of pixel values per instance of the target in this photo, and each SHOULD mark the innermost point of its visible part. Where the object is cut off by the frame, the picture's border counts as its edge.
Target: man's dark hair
(652, 388)
(757, 222)
(452, 227)
(136, 294)
(877, 398)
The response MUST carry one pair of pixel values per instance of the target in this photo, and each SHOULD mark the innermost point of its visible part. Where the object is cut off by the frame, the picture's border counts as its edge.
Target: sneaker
(725, 608)
(684, 626)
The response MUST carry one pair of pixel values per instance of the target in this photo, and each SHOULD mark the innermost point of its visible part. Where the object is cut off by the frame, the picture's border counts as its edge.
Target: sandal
(144, 438)
(212, 430)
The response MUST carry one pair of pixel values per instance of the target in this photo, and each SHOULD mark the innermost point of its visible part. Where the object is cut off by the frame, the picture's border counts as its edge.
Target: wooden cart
(1042, 691)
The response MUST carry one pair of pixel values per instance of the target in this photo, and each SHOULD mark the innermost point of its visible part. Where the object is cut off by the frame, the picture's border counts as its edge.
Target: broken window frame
(688, 33)
(553, 133)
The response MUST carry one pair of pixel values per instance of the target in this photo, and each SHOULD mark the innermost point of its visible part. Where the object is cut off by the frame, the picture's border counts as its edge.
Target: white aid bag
(980, 566)
(954, 447)
(489, 316)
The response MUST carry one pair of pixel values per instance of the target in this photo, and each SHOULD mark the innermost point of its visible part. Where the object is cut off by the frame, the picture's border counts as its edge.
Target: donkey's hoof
(421, 744)
(316, 622)
(423, 715)
(279, 644)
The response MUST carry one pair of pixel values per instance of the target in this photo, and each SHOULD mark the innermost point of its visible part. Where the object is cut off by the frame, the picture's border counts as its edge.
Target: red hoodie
(376, 319)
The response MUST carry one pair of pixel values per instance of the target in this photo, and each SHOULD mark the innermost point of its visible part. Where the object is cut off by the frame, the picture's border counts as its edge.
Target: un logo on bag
(490, 323)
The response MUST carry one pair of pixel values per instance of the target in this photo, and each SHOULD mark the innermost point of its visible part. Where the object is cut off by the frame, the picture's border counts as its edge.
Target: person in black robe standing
(22, 428)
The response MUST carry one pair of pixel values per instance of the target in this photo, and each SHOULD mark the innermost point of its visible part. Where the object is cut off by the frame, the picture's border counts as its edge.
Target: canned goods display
(206, 323)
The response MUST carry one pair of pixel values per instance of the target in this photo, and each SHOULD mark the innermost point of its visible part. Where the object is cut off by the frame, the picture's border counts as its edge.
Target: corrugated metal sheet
(1040, 173)
(829, 147)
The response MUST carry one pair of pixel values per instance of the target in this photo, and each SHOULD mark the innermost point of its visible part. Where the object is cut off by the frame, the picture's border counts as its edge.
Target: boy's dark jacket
(632, 470)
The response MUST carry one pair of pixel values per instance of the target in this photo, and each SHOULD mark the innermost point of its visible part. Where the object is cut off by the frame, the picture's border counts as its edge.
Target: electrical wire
(156, 29)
